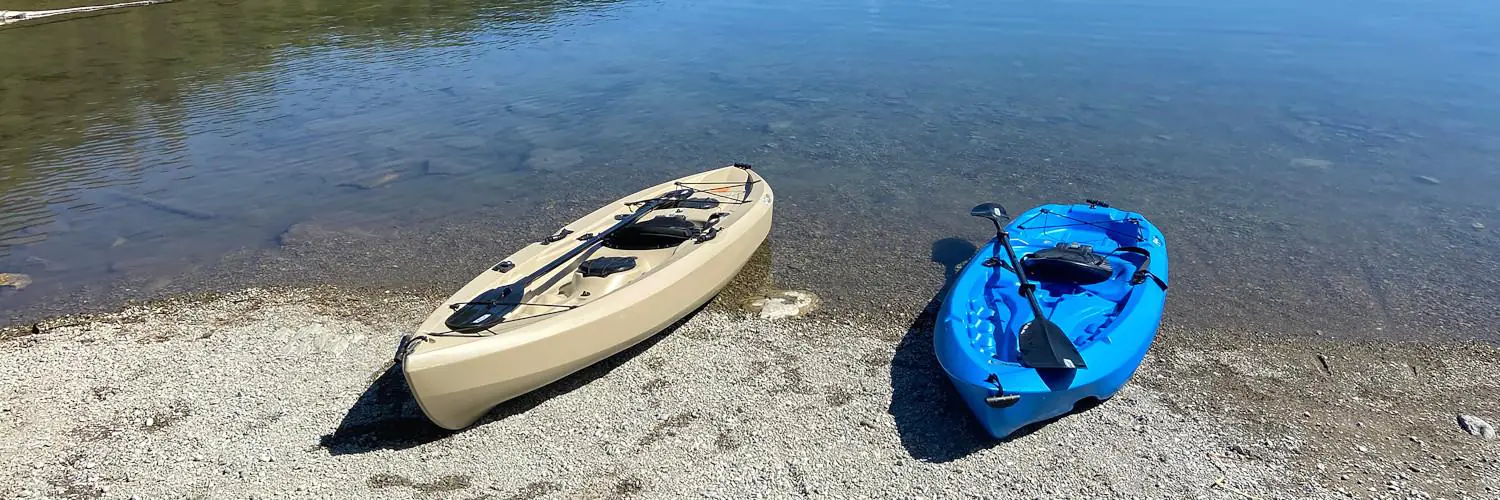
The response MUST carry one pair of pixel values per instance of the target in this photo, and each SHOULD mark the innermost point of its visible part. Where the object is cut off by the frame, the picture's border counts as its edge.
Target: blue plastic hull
(1113, 323)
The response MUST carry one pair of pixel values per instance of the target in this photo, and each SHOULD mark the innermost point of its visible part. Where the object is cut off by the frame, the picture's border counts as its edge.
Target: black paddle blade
(486, 310)
(1044, 345)
(991, 211)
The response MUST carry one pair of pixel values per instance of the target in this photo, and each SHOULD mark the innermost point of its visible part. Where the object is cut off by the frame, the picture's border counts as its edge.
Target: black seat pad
(1067, 263)
(659, 232)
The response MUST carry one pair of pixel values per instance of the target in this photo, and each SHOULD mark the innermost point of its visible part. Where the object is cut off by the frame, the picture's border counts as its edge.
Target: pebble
(1476, 426)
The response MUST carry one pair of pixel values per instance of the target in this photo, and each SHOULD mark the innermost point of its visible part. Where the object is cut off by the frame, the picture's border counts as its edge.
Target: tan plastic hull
(457, 379)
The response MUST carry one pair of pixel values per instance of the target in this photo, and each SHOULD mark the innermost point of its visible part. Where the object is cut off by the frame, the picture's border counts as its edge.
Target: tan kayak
(598, 286)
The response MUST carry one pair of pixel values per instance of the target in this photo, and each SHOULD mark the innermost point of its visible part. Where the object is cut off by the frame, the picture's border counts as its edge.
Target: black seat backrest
(1067, 263)
(663, 231)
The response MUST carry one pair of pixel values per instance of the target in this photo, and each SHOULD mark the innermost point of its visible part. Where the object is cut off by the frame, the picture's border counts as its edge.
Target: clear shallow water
(170, 148)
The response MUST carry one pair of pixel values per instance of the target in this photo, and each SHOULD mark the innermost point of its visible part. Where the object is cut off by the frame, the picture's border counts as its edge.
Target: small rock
(15, 280)
(867, 423)
(784, 304)
(149, 422)
(1426, 179)
(1363, 449)
(265, 458)
(1476, 426)
(1311, 163)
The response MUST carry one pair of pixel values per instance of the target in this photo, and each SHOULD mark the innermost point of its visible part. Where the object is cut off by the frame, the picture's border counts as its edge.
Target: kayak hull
(1113, 324)
(457, 378)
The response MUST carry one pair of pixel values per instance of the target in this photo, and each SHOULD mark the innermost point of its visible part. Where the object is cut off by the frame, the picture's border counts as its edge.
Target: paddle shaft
(575, 251)
(1027, 288)
(491, 306)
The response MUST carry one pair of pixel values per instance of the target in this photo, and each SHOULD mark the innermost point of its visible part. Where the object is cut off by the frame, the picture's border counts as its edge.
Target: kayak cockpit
(1085, 265)
(1084, 311)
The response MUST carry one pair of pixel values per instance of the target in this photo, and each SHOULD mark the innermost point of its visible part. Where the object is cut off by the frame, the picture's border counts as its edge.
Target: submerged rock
(777, 127)
(384, 175)
(371, 181)
(165, 206)
(784, 304)
(1478, 226)
(337, 229)
(1426, 179)
(1311, 163)
(553, 160)
(14, 280)
(1476, 426)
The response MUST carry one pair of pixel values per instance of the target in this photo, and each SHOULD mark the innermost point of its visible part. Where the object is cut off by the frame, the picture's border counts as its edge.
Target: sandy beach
(288, 393)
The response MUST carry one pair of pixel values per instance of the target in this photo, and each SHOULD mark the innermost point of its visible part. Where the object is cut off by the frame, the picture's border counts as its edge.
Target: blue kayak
(1099, 279)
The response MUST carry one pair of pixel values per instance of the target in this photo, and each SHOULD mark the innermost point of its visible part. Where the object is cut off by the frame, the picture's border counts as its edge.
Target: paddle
(490, 307)
(1042, 343)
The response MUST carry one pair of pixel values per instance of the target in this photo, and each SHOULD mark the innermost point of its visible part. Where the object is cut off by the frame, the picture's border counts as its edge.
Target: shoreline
(285, 392)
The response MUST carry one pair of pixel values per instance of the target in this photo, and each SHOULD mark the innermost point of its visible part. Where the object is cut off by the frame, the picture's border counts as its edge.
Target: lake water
(1329, 167)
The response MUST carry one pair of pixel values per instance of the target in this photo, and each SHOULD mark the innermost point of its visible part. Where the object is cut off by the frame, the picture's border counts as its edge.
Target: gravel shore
(288, 393)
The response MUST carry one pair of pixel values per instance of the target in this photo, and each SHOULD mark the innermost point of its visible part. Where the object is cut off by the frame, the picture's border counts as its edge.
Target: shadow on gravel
(386, 416)
(931, 420)
(933, 423)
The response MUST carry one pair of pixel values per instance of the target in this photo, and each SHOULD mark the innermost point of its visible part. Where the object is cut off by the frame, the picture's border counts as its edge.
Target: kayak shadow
(386, 416)
(932, 421)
